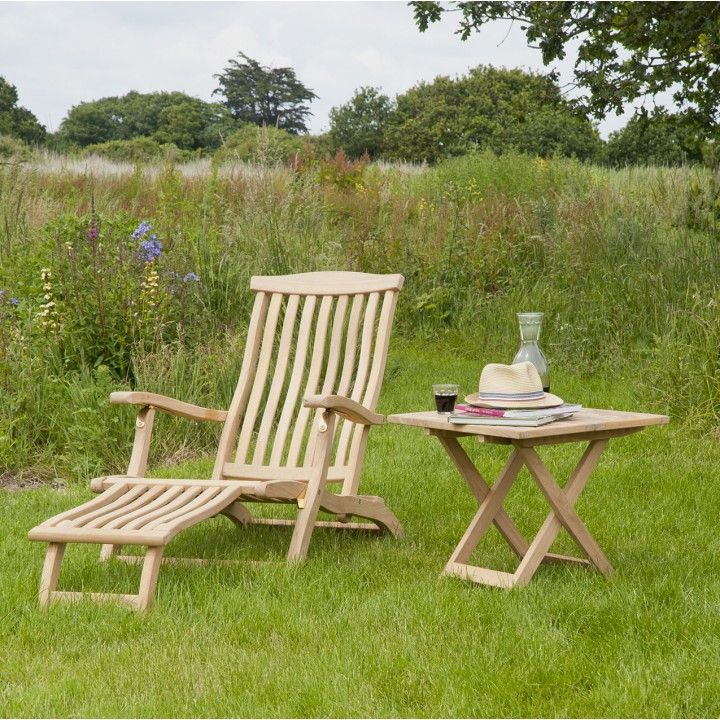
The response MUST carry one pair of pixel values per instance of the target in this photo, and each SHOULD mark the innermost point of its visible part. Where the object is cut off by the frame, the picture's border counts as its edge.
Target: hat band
(539, 395)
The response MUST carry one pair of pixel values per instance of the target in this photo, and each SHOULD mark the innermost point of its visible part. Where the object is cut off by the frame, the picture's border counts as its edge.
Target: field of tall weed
(115, 276)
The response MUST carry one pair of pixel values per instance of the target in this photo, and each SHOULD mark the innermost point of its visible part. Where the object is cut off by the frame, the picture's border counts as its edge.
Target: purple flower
(191, 276)
(14, 301)
(150, 249)
(93, 230)
(141, 230)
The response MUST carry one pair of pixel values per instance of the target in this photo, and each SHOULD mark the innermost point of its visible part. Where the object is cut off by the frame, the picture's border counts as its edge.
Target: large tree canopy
(358, 126)
(489, 108)
(263, 95)
(168, 117)
(627, 50)
(658, 138)
(15, 120)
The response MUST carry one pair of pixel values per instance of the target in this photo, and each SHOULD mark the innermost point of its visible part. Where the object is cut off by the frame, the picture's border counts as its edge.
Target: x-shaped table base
(561, 500)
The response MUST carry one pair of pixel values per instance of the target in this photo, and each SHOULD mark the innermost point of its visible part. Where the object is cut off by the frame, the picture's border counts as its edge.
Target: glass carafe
(530, 325)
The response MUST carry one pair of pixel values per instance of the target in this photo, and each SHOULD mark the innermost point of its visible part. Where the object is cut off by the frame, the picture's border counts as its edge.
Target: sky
(59, 54)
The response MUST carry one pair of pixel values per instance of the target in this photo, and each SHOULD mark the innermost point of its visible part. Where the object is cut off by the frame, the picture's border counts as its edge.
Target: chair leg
(238, 513)
(149, 577)
(107, 551)
(51, 572)
(307, 515)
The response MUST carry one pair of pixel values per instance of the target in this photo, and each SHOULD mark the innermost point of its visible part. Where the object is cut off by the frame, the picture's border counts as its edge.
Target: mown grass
(366, 627)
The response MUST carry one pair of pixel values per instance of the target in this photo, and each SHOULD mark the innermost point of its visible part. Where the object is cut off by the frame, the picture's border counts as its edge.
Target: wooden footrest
(136, 513)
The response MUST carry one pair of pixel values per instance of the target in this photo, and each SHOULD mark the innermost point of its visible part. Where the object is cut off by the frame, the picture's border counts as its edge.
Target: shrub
(265, 146)
(139, 149)
(11, 147)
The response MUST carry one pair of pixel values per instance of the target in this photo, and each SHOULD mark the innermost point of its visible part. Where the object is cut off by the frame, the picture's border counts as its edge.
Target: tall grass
(624, 263)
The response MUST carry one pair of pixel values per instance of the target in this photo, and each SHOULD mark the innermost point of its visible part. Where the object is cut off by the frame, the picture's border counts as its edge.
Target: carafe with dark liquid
(530, 326)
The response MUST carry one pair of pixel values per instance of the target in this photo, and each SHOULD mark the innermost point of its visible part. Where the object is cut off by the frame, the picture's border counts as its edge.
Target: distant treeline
(489, 108)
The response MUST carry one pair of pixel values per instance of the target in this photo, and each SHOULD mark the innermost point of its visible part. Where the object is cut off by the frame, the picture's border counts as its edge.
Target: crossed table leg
(561, 501)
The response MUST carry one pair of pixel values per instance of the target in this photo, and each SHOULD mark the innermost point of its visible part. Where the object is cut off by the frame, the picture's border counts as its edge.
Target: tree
(657, 139)
(262, 95)
(17, 121)
(627, 50)
(489, 108)
(168, 117)
(358, 126)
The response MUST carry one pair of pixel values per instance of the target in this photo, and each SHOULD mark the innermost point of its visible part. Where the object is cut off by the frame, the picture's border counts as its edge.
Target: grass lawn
(366, 626)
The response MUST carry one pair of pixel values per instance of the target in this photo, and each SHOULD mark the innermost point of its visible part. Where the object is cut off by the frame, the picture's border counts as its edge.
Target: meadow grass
(624, 264)
(366, 627)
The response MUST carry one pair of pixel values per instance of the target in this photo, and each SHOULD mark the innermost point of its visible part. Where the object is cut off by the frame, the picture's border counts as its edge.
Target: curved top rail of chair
(326, 283)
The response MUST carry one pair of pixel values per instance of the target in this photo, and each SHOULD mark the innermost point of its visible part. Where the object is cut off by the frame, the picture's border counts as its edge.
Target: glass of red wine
(445, 397)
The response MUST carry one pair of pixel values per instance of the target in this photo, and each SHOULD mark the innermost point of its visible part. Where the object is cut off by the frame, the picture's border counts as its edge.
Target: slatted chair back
(311, 333)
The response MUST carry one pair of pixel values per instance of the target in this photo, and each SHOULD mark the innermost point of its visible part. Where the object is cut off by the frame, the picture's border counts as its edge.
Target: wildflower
(48, 314)
(69, 247)
(191, 276)
(141, 230)
(93, 231)
(14, 301)
(149, 286)
(150, 249)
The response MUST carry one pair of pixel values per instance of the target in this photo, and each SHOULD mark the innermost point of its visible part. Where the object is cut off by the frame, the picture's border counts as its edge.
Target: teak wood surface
(591, 425)
(309, 384)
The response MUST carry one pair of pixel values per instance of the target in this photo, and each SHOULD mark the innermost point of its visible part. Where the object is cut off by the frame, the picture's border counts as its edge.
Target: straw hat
(512, 386)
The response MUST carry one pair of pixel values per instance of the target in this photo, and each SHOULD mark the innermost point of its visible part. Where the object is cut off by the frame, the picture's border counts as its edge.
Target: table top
(586, 422)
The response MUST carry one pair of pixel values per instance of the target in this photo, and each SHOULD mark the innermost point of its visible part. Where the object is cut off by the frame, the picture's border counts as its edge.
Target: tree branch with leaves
(628, 51)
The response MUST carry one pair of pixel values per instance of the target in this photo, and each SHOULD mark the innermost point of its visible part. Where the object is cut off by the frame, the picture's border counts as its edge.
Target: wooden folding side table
(594, 426)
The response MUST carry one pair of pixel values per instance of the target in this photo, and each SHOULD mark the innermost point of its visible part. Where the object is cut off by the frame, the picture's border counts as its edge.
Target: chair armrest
(168, 405)
(346, 408)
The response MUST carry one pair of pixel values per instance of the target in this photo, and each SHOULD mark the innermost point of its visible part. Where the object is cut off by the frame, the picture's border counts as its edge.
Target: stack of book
(471, 415)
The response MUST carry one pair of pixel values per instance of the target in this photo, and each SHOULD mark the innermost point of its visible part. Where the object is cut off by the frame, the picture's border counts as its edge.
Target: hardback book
(527, 414)
(462, 418)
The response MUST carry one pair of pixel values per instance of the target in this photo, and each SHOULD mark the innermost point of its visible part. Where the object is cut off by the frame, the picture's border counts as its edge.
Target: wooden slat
(313, 377)
(278, 380)
(101, 501)
(201, 511)
(333, 362)
(291, 396)
(328, 283)
(351, 338)
(484, 576)
(139, 502)
(382, 342)
(113, 480)
(287, 522)
(165, 520)
(263, 473)
(122, 501)
(65, 596)
(176, 506)
(97, 536)
(167, 495)
(258, 383)
(244, 384)
(183, 498)
(361, 373)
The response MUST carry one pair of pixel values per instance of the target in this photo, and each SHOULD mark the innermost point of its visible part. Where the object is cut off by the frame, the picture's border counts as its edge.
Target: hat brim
(548, 401)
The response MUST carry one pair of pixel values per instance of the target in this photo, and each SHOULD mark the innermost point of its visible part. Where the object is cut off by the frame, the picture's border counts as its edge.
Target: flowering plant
(111, 290)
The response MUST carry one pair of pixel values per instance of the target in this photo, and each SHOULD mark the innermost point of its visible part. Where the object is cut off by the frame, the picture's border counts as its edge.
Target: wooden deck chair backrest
(310, 333)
